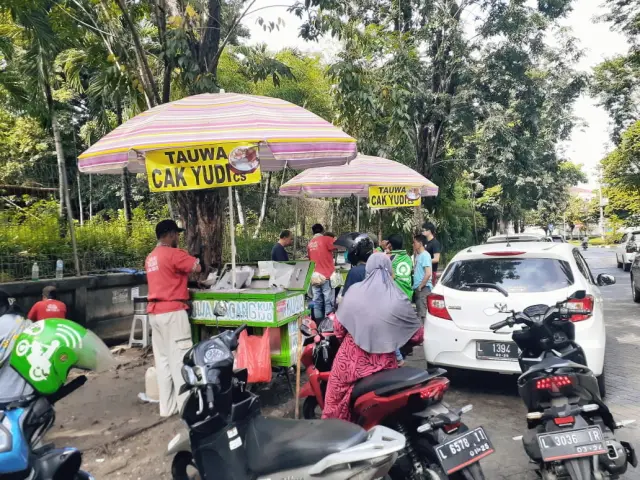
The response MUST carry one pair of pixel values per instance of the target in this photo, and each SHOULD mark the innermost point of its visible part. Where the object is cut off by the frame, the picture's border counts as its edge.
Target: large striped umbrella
(355, 179)
(289, 136)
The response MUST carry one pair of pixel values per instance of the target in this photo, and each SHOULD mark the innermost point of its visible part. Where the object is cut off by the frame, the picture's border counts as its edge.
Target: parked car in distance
(457, 332)
(518, 237)
(627, 248)
(635, 279)
(558, 238)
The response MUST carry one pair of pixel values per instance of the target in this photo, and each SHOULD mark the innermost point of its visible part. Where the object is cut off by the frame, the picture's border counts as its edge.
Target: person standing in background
(48, 307)
(320, 250)
(278, 252)
(421, 276)
(168, 270)
(432, 246)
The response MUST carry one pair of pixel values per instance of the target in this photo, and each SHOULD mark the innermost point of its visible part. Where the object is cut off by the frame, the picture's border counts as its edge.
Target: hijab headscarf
(376, 313)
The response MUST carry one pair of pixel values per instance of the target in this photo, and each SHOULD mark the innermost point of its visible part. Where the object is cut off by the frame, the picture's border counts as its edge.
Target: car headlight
(6, 439)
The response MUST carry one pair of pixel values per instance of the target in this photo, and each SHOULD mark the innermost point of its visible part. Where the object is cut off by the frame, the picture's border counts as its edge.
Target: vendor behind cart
(168, 270)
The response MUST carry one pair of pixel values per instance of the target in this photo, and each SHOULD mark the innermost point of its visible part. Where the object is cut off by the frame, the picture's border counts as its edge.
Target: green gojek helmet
(45, 352)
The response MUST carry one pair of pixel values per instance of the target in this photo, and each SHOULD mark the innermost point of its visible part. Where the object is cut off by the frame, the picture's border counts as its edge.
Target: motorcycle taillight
(555, 382)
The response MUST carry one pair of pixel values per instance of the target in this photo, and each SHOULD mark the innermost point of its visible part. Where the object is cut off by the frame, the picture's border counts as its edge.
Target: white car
(457, 330)
(627, 248)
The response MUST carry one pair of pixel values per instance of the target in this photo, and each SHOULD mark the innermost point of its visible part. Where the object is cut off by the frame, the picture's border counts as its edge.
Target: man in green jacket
(401, 264)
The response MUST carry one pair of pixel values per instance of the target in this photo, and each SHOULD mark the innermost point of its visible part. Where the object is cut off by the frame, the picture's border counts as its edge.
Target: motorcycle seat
(276, 444)
(388, 382)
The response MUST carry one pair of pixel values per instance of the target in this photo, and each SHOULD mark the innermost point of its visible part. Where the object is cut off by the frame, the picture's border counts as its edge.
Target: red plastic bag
(254, 354)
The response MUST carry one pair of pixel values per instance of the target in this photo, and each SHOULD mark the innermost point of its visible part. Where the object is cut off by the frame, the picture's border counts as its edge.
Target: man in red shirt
(168, 270)
(48, 307)
(320, 250)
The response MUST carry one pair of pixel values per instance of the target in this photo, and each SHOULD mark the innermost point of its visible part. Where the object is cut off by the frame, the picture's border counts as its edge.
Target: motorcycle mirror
(221, 308)
(491, 311)
(578, 295)
(188, 375)
(605, 279)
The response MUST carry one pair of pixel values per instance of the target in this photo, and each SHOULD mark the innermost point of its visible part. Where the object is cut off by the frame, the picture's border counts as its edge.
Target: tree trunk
(81, 213)
(263, 207)
(203, 214)
(126, 186)
(239, 206)
(65, 198)
(141, 56)
(126, 200)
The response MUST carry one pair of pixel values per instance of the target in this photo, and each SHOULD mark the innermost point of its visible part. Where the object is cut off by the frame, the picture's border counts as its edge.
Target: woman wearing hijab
(373, 321)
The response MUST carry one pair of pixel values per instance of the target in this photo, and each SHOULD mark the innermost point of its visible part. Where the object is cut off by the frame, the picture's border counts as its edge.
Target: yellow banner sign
(203, 166)
(393, 197)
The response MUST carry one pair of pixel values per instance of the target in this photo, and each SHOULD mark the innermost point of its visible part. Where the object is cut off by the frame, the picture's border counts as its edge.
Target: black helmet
(360, 250)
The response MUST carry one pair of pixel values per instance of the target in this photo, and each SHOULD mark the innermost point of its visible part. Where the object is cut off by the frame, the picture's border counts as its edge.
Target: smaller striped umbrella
(355, 179)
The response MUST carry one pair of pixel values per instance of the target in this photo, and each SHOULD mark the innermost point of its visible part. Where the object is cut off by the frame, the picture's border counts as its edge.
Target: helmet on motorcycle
(46, 351)
(361, 249)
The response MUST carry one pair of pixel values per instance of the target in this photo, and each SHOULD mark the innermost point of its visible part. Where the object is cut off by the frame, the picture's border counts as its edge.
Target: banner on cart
(245, 311)
(203, 166)
(394, 197)
(289, 307)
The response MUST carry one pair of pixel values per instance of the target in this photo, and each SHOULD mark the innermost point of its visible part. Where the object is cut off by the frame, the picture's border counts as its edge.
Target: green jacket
(402, 267)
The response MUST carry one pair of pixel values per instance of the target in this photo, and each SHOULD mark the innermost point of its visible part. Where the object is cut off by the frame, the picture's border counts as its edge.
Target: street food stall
(226, 140)
(272, 296)
(387, 184)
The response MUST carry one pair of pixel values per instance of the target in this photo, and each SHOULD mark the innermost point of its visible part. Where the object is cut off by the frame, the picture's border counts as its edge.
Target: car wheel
(627, 267)
(619, 263)
(635, 291)
(601, 384)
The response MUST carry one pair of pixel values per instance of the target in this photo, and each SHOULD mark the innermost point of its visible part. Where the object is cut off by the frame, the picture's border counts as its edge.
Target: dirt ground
(122, 437)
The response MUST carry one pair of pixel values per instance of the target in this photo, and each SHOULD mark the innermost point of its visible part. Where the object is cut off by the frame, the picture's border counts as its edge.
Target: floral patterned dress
(351, 364)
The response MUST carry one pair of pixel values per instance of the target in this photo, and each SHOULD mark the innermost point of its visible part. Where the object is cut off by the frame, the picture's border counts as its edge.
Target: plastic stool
(144, 324)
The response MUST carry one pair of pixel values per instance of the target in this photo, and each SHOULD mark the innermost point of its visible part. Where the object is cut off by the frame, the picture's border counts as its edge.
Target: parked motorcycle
(229, 440)
(570, 429)
(408, 400)
(43, 355)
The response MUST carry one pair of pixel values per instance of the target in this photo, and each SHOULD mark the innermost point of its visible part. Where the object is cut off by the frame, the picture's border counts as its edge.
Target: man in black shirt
(433, 246)
(278, 253)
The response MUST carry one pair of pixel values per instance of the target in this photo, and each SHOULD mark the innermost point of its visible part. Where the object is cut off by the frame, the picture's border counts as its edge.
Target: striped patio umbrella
(355, 179)
(288, 135)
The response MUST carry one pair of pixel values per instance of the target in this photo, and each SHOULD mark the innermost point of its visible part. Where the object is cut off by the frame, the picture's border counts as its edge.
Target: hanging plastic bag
(254, 354)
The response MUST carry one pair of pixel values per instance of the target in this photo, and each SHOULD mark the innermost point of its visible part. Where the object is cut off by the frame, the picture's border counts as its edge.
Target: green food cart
(274, 298)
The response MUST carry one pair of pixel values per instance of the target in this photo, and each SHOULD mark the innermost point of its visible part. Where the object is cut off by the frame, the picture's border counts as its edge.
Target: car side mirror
(578, 295)
(605, 279)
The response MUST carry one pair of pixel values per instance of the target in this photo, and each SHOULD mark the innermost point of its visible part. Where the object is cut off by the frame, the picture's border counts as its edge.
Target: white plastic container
(59, 269)
(35, 272)
(151, 384)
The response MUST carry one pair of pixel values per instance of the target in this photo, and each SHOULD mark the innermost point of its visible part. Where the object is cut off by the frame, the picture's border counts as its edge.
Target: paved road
(499, 409)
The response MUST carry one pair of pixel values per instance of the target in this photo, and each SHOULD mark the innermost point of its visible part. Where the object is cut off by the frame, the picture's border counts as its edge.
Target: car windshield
(517, 275)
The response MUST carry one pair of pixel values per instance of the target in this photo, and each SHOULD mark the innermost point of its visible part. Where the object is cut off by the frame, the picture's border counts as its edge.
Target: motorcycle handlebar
(499, 325)
(239, 330)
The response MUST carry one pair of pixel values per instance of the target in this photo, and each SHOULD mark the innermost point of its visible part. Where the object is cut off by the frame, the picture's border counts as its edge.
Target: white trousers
(171, 338)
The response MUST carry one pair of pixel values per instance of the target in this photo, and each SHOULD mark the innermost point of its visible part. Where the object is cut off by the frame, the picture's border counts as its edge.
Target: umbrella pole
(232, 232)
(357, 214)
(295, 235)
